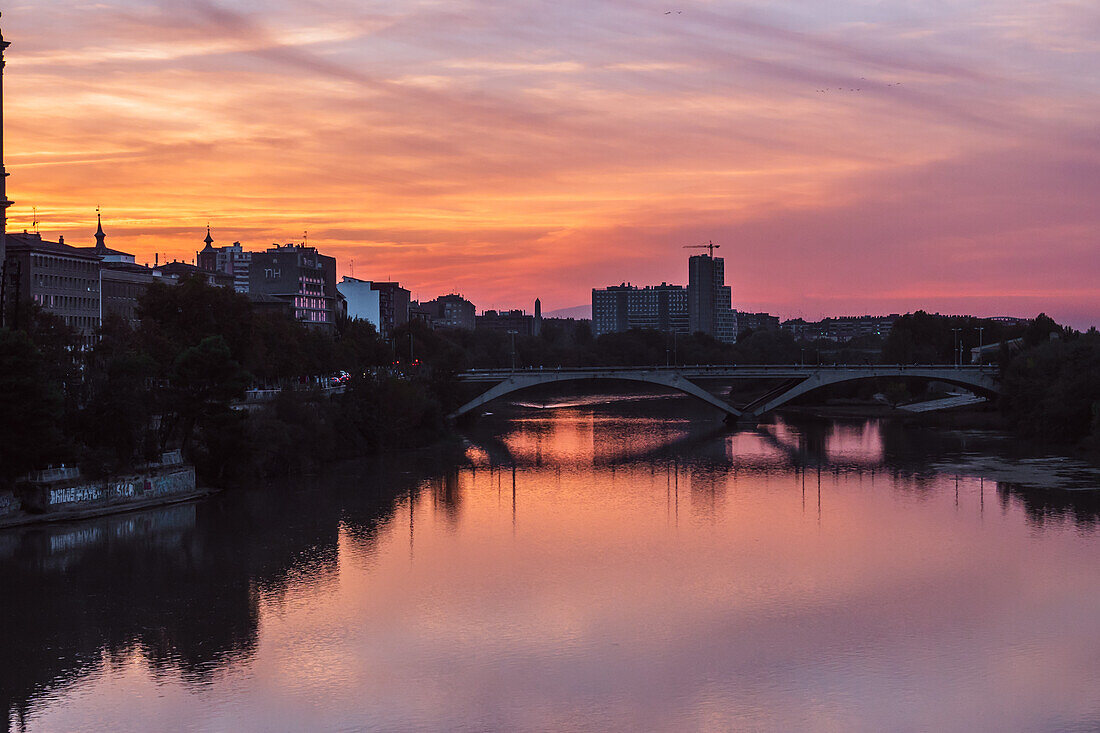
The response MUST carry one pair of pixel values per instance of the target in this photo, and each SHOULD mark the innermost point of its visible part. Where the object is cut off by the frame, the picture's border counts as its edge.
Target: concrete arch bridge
(793, 381)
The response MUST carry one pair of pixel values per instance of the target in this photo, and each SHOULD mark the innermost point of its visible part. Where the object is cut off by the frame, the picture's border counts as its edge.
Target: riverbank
(62, 495)
(76, 515)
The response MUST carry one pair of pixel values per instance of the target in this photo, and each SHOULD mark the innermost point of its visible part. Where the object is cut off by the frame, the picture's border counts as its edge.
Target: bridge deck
(736, 371)
(802, 379)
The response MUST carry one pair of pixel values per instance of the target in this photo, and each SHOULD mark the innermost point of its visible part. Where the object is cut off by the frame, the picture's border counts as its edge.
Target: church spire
(209, 240)
(99, 235)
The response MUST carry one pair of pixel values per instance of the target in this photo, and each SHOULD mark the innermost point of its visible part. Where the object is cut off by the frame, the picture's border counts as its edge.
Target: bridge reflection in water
(372, 571)
(792, 381)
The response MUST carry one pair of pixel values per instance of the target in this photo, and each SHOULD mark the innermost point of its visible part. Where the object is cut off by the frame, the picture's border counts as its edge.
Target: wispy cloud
(935, 156)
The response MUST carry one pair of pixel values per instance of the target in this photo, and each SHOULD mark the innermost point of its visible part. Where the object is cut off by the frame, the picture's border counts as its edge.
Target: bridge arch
(799, 381)
(979, 383)
(522, 380)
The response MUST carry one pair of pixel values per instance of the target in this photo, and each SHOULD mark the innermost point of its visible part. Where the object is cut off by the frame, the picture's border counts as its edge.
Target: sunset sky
(508, 149)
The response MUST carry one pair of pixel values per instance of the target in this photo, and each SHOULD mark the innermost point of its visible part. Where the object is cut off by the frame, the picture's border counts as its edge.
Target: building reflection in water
(182, 590)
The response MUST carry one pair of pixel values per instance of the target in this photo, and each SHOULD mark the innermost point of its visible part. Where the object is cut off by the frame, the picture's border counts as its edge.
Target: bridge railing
(720, 369)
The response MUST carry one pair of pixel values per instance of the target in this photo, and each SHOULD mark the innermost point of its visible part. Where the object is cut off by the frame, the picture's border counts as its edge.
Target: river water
(605, 565)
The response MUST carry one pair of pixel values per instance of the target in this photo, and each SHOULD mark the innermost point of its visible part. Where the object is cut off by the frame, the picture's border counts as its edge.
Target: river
(601, 565)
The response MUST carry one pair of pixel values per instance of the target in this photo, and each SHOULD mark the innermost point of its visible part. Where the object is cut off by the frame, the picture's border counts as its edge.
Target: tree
(1051, 391)
(204, 379)
(117, 377)
(30, 409)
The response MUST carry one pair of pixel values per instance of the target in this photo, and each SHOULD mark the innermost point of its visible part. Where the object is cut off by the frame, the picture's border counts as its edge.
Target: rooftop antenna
(305, 238)
(353, 268)
(34, 219)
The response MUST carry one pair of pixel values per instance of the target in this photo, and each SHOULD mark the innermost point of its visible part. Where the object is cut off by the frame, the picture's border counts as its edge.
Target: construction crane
(711, 246)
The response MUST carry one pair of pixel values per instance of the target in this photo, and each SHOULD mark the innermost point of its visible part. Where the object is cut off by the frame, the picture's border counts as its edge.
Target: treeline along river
(609, 564)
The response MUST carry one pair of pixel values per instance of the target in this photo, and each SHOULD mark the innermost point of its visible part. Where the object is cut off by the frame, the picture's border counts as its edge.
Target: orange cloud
(847, 161)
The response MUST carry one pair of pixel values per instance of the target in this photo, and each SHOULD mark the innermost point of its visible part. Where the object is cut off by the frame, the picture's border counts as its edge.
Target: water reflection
(590, 567)
(178, 588)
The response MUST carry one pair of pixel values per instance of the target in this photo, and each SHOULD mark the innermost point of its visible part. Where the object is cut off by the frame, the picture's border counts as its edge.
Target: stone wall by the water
(9, 503)
(68, 496)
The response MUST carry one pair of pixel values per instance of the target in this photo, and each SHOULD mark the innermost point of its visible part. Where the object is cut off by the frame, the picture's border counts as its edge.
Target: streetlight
(513, 334)
(955, 356)
(981, 343)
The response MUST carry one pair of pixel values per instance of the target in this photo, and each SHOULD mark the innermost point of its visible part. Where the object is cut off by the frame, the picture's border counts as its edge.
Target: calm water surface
(596, 567)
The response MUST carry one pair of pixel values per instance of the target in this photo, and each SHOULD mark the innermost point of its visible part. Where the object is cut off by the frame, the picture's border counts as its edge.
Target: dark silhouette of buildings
(756, 322)
(704, 305)
(122, 287)
(709, 299)
(122, 281)
(840, 329)
(450, 311)
(393, 306)
(232, 260)
(300, 276)
(385, 304)
(61, 279)
(183, 270)
(508, 321)
(623, 307)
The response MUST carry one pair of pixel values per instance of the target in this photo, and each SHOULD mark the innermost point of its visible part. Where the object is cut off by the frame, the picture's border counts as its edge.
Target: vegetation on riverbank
(173, 380)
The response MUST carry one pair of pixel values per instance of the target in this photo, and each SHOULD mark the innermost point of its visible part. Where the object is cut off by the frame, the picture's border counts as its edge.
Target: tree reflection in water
(181, 589)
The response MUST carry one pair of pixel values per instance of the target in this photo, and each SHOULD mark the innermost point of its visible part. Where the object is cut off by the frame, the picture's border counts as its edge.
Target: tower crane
(710, 246)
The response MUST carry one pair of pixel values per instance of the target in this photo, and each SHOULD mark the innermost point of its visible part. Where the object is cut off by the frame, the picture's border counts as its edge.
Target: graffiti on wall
(161, 484)
(76, 494)
(8, 503)
(176, 482)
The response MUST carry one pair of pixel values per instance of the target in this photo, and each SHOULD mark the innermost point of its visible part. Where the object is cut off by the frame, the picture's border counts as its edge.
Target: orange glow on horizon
(849, 161)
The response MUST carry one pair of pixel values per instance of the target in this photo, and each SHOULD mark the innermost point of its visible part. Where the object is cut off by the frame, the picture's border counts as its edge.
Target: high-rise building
(623, 307)
(300, 276)
(710, 299)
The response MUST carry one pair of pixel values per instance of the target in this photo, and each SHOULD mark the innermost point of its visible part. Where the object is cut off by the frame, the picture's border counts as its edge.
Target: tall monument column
(4, 202)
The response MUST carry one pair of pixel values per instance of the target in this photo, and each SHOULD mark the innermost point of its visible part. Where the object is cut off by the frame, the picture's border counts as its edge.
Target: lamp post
(513, 334)
(981, 343)
(955, 356)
